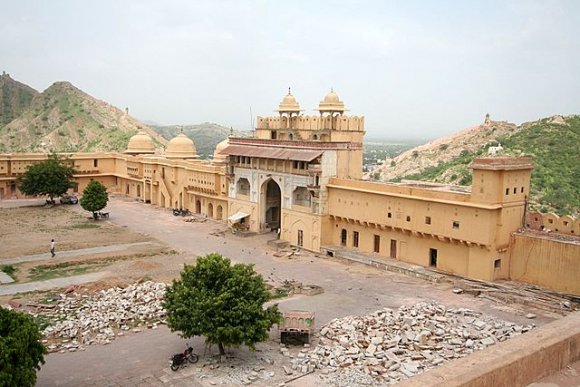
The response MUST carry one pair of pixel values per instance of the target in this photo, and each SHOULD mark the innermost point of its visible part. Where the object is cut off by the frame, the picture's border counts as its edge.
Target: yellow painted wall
(544, 262)
(473, 224)
(310, 224)
(413, 248)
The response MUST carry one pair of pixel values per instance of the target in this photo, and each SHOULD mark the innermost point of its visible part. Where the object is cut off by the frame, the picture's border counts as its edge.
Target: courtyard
(142, 242)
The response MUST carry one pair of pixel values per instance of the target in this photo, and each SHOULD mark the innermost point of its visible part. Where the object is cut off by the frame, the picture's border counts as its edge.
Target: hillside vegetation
(65, 119)
(551, 142)
(15, 97)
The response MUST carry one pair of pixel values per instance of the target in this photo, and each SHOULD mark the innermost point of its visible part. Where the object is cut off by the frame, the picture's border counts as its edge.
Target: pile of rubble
(388, 346)
(84, 319)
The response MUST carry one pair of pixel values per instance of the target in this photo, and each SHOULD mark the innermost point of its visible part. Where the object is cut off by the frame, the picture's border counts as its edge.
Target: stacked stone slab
(392, 345)
(84, 319)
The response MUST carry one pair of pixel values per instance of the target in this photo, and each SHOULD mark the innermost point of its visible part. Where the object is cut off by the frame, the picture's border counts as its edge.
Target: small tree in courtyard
(21, 352)
(52, 177)
(222, 302)
(95, 197)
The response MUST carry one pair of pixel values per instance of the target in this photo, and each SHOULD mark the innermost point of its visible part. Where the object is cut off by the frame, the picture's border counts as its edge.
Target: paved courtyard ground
(141, 359)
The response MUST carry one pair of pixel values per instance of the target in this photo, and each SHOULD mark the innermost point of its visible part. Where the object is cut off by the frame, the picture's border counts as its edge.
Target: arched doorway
(198, 207)
(210, 210)
(271, 205)
(219, 214)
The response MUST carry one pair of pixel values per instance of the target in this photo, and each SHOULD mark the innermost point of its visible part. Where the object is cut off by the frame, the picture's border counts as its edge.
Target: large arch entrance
(271, 205)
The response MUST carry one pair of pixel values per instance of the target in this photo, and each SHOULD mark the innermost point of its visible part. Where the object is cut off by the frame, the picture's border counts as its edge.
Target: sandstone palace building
(301, 176)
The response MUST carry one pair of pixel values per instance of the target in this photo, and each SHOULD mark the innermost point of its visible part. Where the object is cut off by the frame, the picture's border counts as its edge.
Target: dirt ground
(28, 230)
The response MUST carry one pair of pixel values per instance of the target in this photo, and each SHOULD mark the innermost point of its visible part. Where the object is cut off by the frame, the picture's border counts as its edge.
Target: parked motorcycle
(179, 359)
(180, 212)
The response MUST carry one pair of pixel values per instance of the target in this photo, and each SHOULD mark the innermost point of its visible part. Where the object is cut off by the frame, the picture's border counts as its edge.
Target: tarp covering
(271, 152)
(238, 216)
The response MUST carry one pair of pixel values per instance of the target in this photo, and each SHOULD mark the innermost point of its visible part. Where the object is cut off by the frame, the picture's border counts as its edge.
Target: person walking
(52, 244)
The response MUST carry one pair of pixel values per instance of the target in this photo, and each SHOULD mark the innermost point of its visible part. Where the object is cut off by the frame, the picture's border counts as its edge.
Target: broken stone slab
(488, 341)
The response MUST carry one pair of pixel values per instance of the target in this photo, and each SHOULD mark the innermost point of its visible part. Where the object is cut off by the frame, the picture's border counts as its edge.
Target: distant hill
(552, 142)
(65, 119)
(205, 135)
(15, 97)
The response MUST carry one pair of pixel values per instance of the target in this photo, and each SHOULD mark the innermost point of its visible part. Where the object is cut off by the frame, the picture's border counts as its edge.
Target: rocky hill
(552, 143)
(65, 119)
(15, 97)
(205, 135)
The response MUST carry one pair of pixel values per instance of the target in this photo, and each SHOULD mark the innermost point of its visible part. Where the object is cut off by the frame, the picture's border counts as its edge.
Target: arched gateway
(271, 205)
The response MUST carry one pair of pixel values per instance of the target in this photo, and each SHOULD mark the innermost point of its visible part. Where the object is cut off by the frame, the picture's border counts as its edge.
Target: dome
(218, 156)
(141, 143)
(180, 147)
(289, 104)
(331, 103)
(331, 97)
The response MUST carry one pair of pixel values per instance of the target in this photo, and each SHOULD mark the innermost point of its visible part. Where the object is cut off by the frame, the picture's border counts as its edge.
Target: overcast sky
(419, 69)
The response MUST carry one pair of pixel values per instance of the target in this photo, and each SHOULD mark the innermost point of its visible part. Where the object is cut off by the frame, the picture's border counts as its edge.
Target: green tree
(95, 197)
(21, 352)
(222, 302)
(52, 177)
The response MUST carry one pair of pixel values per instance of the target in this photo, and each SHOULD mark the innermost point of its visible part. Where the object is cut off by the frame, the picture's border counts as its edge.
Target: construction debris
(85, 319)
(196, 219)
(389, 346)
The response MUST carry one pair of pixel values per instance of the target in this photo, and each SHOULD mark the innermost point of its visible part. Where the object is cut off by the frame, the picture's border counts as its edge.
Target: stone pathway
(75, 253)
(52, 283)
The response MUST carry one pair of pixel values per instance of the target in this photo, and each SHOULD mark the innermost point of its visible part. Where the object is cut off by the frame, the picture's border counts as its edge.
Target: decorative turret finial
(289, 93)
(231, 130)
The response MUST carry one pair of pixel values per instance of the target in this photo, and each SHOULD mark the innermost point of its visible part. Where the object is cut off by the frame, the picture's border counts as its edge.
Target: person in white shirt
(52, 244)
